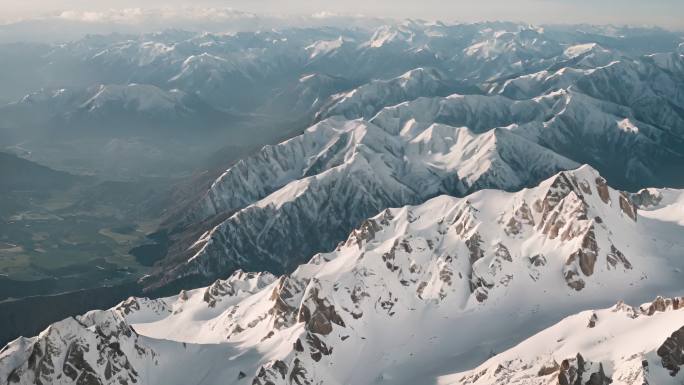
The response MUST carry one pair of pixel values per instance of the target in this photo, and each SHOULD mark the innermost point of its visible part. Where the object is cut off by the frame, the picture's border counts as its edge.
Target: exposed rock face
(271, 373)
(533, 362)
(230, 287)
(615, 256)
(365, 233)
(559, 189)
(593, 320)
(671, 352)
(602, 188)
(87, 351)
(588, 253)
(628, 207)
(571, 371)
(283, 204)
(317, 314)
(646, 198)
(584, 258)
(661, 304)
(424, 266)
(576, 371)
(520, 218)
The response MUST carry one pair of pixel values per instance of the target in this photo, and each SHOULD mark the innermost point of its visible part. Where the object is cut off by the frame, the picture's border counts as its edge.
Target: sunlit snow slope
(412, 296)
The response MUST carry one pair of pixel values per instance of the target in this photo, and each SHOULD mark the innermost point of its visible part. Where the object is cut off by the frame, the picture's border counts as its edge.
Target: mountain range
(404, 299)
(487, 203)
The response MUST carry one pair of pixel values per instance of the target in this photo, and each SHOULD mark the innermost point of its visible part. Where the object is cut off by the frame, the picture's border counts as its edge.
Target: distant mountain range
(163, 93)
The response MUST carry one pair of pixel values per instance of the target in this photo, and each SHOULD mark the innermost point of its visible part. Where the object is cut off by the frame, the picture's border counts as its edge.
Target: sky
(664, 13)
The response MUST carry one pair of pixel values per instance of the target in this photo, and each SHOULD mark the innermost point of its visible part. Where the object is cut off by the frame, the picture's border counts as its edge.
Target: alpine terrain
(404, 299)
(343, 200)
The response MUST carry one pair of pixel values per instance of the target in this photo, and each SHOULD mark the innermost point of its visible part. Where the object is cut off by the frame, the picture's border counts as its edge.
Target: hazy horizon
(660, 13)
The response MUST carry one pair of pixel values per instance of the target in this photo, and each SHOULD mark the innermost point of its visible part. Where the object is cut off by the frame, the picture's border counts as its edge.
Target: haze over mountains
(415, 202)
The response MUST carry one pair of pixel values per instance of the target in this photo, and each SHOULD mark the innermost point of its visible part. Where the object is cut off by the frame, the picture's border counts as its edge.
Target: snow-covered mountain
(370, 98)
(413, 295)
(105, 102)
(304, 195)
(282, 81)
(448, 119)
(619, 345)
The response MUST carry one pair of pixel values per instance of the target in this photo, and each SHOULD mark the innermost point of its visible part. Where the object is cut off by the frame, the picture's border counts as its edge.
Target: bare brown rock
(282, 312)
(661, 304)
(592, 320)
(586, 255)
(318, 314)
(365, 233)
(628, 207)
(464, 220)
(559, 189)
(573, 371)
(602, 188)
(521, 216)
(473, 243)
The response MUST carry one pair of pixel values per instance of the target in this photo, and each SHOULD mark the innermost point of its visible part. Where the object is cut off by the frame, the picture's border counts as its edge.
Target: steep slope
(602, 133)
(650, 86)
(367, 100)
(405, 154)
(621, 345)
(304, 195)
(523, 50)
(398, 302)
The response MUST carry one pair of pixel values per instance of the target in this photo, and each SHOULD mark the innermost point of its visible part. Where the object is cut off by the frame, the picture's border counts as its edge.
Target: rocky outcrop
(628, 207)
(616, 257)
(521, 217)
(237, 282)
(661, 304)
(317, 314)
(584, 258)
(87, 350)
(671, 352)
(646, 198)
(592, 320)
(576, 371)
(602, 188)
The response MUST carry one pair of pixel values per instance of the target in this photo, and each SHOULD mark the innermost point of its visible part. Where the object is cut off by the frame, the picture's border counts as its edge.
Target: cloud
(140, 15)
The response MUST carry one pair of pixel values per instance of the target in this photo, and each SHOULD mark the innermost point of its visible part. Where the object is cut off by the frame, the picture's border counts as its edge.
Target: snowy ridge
(293, 190)
(136, 97)
(620, 345)
(560, 121)
(367, 100)
(398, 300)
(405, 154)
